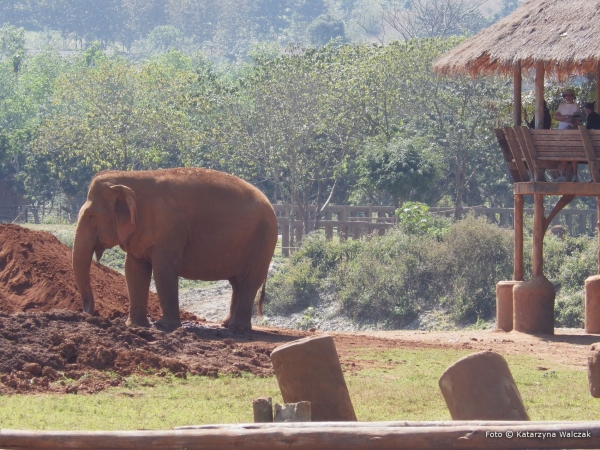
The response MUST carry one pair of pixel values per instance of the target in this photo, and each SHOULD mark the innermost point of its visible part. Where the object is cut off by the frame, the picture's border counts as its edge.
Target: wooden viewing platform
(532, 157)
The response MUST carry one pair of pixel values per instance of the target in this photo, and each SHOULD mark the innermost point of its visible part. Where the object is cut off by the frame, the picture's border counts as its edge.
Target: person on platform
(568, 116)
(593, 118)
(547, 118)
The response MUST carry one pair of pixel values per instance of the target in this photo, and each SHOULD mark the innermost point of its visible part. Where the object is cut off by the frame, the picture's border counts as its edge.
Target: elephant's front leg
(138, 273)
(167, 287)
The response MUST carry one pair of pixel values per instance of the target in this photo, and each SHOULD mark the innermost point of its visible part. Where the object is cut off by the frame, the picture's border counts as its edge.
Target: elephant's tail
(261, 299)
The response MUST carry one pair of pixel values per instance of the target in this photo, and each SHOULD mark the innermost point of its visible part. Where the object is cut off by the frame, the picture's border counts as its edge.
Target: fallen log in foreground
(324, 435)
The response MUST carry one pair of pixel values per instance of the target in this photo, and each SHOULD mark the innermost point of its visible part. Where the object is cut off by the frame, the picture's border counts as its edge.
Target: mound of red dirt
(52, 351)
(36, 274)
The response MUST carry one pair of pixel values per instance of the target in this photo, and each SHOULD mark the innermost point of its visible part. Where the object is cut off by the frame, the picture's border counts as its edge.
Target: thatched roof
(564, 34)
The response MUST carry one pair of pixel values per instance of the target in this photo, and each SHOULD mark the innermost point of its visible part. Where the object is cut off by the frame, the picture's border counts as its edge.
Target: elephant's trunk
(83, 249)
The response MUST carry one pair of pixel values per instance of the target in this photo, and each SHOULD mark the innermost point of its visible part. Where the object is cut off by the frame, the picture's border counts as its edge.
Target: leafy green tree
(114, 115)
(399, 169)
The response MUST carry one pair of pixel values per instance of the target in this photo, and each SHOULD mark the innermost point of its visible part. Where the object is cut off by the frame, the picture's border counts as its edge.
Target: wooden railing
(356, 222)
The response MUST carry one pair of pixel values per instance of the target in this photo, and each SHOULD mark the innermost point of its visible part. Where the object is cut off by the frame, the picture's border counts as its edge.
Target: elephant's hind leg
(242, 316)
(233, 304)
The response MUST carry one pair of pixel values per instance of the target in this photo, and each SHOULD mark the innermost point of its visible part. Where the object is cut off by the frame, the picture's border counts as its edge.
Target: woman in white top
(568, 116)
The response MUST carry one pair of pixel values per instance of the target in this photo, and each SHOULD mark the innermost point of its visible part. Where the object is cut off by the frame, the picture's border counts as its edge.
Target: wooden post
(342, 226)
(518, 224)
(517, 94)
(285, 237)
(539, 95)
(598, 226)
(263, 410)
(597, 86)
(538, 235)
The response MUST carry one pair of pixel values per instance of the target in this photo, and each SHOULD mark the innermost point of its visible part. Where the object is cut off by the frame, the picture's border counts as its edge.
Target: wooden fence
(356, 222)
(478, 435)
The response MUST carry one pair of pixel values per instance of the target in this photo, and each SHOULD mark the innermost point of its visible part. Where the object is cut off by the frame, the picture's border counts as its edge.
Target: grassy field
(407, 390)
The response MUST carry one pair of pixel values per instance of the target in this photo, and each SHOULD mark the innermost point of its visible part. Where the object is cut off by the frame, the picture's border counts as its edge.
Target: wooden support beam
(564, 201)
(539, 95)
(538, 236)
(517, 101)
(598, 86)
(598, 227)
(333, 436)
(518, 271)
(588, 148)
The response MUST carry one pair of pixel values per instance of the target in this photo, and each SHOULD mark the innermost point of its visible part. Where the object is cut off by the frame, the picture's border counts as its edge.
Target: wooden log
(309, 370)
(540, 72)
(538, 236)
(301, 436)
(504, 305)
(481, 387)
(517, 81)
(518, 270)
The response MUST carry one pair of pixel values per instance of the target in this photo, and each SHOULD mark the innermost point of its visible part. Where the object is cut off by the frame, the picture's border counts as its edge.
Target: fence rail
(359, 221)
(347, 222)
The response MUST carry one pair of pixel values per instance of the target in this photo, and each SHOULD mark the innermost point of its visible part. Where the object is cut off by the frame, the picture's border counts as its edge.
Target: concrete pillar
(504, 305)
(481, 387)
(309, 370)
(533, 306)
(592, 304)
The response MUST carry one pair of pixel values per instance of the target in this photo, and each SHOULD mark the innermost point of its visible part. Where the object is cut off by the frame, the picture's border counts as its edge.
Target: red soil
(36, 274)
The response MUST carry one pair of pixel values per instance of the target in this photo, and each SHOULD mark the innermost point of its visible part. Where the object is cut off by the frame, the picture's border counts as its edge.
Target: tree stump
(504, 305)
(481, 387)
(592, 304)
(533, 306)
(593, 370)
(309, 370)
(263, 410)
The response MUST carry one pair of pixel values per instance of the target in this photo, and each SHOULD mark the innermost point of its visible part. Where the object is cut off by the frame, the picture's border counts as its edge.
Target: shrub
(569, 310)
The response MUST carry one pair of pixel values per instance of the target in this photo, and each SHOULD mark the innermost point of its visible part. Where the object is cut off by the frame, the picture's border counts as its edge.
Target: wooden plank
(589, 153)
(528, 147)
(515, 148)
(508, 156)
(531, 435)
(531, 188)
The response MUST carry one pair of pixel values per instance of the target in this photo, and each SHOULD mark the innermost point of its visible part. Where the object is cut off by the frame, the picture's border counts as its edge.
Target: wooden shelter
(549, 37)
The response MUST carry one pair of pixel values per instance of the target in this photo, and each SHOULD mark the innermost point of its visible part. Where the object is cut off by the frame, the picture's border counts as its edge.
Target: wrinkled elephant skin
(195, 223)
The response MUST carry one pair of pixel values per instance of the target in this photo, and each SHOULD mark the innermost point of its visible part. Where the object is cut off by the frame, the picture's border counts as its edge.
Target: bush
(299, 284)
(569, 310)
(391, 279)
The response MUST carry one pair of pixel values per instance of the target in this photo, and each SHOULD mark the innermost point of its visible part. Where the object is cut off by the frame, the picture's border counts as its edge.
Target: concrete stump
(481, 387)
(592, 304)
(309, 370)
(593, 370)
(533, 306)
(504, 305)
(263, 410)
(292, 412)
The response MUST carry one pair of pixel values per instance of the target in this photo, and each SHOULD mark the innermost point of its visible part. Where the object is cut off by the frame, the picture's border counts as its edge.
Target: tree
(434, 18)
(113, 115)
(399, 169)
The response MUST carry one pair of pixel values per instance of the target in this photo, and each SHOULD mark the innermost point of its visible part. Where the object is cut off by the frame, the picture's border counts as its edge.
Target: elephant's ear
(125, 211)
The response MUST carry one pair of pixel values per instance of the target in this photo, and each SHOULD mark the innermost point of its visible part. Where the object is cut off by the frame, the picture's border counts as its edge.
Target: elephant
(195, 223)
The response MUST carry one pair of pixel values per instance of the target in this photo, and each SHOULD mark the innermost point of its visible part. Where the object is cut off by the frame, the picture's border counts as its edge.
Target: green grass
(406, 389)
